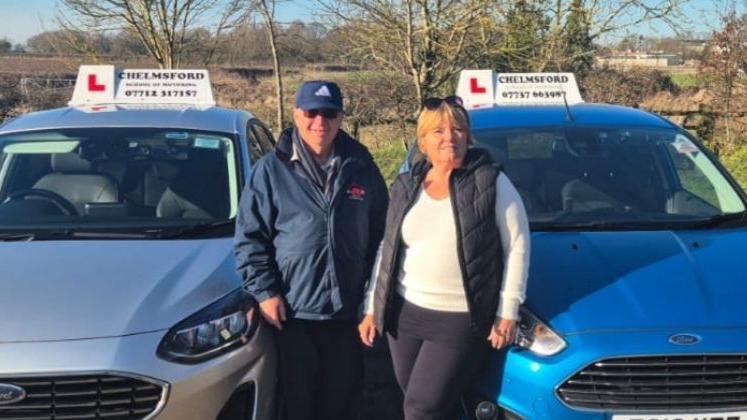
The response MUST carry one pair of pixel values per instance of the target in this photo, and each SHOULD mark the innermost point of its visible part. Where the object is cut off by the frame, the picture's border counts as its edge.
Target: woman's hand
(502, 333)
(367, 330)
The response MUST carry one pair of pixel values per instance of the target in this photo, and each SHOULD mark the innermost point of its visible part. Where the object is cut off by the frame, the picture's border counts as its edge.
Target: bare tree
(266, 8)
(427, 40)
(244, 44)
(725, 67)
(161, 25)
(378, 97)
(545, 35)
(54, 42)
(5, 46)
(301, 41)
(432, 40)
(614, 16)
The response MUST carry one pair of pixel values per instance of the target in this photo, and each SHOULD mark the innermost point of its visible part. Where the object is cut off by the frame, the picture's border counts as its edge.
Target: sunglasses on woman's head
(435, 103)
(327, 113)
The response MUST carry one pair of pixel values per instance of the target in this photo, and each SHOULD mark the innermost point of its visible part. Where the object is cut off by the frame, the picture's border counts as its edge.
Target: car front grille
(105, 396)
(660, 383)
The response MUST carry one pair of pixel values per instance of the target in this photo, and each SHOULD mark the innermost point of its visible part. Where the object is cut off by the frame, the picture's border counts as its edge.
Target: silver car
(117, 283)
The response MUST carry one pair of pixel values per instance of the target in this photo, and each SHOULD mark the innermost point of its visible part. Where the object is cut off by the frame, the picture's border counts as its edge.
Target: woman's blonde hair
(430, 119)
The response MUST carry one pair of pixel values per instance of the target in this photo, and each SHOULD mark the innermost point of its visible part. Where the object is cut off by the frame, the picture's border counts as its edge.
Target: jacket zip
(398, 245)
(340, 180)
(460, 253)
(327, 207)
(309, 187)
(330, 206)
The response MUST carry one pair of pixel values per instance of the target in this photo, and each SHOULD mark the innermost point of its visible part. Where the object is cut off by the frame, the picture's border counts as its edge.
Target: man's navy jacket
(316, 252)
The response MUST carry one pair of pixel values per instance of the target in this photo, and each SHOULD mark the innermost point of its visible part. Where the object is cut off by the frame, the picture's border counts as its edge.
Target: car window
(536, 145)
(579, 175)
(699, 176)
(260, 139)
(123, 177)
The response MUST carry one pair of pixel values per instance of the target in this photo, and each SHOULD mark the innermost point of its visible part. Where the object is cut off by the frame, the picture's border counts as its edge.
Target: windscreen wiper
(724, 219)
(103, 234)
(62, 234)
(197, 228)
(599, 226)
(17, 236)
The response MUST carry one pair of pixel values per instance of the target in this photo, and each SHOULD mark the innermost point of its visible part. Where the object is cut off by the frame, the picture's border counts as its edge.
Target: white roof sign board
(98, 85)
(536, 89)
(519, 88)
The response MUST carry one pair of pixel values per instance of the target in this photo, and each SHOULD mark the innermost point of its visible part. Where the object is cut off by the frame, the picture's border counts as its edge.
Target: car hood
(60, 290)
(601, 281)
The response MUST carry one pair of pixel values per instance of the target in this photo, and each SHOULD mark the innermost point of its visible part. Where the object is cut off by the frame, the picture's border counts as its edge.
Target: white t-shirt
(430, 276)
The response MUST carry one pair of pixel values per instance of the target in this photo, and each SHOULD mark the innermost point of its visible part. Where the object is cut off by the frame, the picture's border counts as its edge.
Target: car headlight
(535, 336)
(212, 331)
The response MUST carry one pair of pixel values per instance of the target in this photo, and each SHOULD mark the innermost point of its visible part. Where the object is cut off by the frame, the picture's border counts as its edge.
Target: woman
(452, 267)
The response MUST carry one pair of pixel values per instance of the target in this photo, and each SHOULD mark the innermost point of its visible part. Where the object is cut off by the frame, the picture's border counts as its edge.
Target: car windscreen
(125, 180)
(582, 176)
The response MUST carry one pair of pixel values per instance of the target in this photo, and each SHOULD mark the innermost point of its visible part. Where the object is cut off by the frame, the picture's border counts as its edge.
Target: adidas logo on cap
(318, 94)
(323, 91)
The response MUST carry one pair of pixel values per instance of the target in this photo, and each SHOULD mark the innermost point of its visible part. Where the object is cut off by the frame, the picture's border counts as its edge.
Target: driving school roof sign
(483, 88)
(98, 85)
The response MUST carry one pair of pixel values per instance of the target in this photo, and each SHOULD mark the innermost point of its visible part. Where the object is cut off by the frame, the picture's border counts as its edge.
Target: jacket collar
(345, 146)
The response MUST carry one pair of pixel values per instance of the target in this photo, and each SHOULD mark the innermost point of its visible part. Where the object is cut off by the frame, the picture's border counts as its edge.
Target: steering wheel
(61, 202)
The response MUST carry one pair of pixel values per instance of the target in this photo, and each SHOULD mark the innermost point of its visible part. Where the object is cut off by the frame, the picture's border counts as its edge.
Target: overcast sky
(25, 18)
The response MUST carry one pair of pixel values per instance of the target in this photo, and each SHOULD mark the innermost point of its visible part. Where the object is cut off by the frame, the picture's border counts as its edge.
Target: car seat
(579, 197)
(72, 178)
(200, 190)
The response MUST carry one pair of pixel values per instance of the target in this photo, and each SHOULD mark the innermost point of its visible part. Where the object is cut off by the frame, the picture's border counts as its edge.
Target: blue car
(635, 305)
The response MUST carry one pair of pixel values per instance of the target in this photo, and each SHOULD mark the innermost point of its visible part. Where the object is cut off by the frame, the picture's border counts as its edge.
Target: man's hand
(367, 330)
(273, 311)
(502, 333)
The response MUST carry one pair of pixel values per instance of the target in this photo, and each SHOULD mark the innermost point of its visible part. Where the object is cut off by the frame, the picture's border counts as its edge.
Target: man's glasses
(327, 113)
(435, 103)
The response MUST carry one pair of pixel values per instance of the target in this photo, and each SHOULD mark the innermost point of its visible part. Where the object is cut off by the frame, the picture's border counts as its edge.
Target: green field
(685, 80)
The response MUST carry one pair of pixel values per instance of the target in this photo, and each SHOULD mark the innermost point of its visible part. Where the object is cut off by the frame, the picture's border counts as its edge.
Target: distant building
(640, 60)
(696, 45)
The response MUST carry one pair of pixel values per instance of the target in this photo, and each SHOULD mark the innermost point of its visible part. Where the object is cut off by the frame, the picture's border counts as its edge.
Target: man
(309, 224)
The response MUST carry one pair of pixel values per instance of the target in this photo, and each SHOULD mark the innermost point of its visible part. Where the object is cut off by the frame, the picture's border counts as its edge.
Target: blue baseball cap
(319, 94)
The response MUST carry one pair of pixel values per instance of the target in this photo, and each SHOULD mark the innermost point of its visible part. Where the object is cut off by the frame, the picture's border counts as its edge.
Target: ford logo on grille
(10, 394)
(685, 339)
